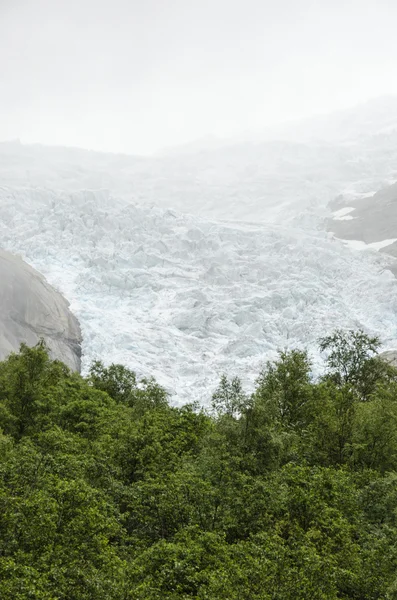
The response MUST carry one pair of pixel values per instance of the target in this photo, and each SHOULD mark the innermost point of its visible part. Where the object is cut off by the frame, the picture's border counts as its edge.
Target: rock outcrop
(390, 356)
(372, 220)
(31, 309)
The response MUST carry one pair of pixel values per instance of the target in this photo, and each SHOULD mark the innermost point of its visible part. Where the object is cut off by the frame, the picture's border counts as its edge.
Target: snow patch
(342, 213)
(359, 245)
(383, 244)
(346, 218)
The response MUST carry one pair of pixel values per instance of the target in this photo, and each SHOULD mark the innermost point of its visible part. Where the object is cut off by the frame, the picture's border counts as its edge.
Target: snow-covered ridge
(186, 298)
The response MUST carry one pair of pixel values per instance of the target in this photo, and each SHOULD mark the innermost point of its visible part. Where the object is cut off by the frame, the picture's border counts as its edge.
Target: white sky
(138, 75)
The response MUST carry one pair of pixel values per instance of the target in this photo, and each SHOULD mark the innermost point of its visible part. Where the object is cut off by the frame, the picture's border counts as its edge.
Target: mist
(135, 77)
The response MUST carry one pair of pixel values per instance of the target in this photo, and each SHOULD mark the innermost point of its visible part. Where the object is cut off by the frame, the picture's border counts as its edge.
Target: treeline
(290, 493)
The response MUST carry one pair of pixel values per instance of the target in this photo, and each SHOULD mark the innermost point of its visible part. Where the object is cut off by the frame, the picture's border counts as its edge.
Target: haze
(135, 76)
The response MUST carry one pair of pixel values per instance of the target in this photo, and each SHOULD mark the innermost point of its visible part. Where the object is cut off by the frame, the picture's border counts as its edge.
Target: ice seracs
(185, 298)
(189, 265)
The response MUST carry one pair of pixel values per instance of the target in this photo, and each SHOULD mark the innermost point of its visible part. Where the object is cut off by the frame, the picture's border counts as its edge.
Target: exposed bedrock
(390, 356)
(31, 309)
(372, 220)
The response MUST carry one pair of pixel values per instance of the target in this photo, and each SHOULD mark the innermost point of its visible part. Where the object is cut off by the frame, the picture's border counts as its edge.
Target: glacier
(208, 260)
(186, 298)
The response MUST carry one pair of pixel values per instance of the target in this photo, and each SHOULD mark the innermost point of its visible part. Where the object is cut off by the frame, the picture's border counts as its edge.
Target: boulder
(31, 309)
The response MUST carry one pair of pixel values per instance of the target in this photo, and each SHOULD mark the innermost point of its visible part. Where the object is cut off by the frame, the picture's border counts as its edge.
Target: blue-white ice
(190, 265)
(186, 299)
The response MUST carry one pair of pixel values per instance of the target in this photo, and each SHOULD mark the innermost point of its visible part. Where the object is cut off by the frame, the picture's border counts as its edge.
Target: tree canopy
(108, 492)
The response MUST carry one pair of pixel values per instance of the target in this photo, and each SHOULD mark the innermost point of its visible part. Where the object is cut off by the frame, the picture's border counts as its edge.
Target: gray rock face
(374, 220)
(31, 309)
(390, 356)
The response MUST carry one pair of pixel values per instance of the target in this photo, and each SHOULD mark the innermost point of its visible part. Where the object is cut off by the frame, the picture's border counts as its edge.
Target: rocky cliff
(31, 309)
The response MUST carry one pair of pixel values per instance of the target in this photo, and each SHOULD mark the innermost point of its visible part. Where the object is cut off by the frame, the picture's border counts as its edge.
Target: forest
(109, 492)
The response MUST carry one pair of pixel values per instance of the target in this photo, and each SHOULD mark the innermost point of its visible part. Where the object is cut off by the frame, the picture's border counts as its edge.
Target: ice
(343, 211)
(382, 244)
(359, 245)
(185, 298)
(191, 264)
(355, 244)
(343, 214)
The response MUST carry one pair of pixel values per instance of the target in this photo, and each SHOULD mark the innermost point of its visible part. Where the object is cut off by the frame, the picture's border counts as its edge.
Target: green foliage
(283, 388)
(121, 384)
(26, 383)
(229, 397)
(352, 360)
(107, 492)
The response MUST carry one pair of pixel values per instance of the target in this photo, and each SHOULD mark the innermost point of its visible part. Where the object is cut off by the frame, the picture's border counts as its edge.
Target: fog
(136, 76)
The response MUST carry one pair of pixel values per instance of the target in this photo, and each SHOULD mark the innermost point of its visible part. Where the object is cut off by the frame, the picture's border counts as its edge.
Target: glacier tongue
(186, 299)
